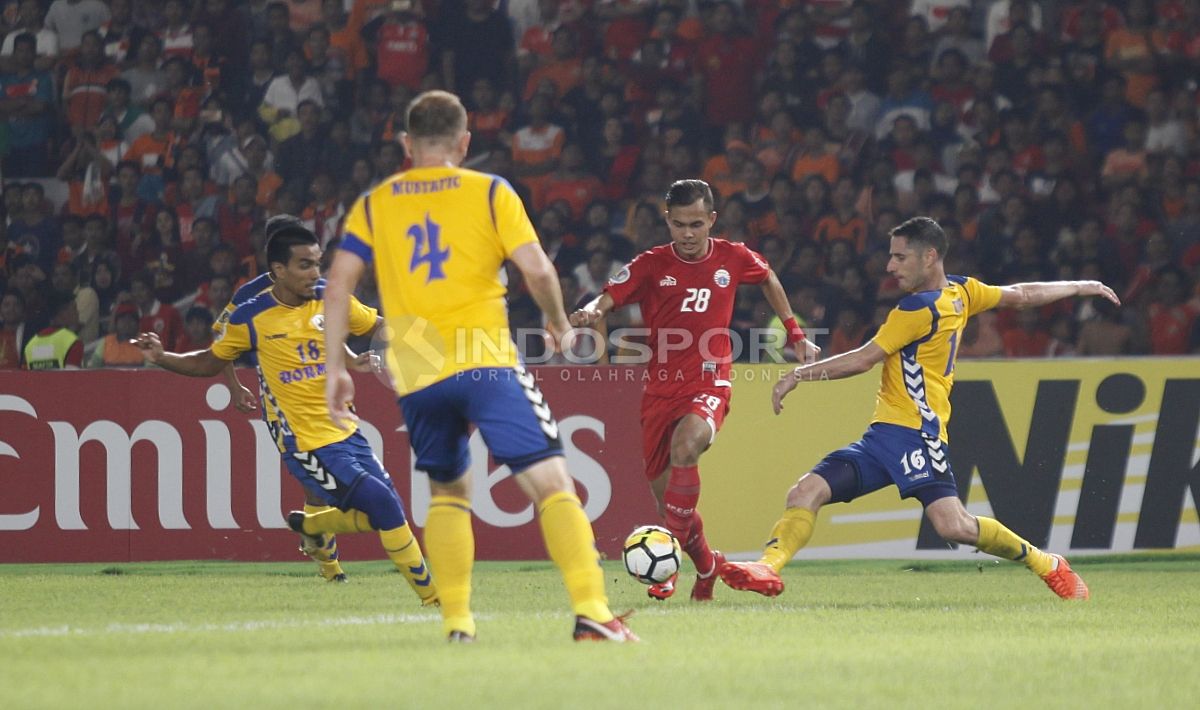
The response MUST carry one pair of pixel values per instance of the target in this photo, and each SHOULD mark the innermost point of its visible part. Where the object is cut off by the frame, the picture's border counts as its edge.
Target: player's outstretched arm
(542, 281)
(344, 273)
(1034, 294)
(200, 363)
(806, 350)
(593, 312)
(838, 367)
(243, 399)
(366, 361)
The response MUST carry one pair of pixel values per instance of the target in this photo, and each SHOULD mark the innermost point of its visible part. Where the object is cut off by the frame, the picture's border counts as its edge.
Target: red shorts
(660, 415)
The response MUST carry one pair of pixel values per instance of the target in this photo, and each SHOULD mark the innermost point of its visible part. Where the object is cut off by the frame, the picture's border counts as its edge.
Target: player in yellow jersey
(906, 444)
(436, 237)
(283, 327)
(323, 549)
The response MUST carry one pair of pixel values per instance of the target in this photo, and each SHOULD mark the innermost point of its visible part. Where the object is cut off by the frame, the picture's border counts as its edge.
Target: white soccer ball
(651, 554)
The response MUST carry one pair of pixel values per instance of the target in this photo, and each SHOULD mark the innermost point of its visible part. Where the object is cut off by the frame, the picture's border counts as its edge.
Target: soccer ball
(651, 554)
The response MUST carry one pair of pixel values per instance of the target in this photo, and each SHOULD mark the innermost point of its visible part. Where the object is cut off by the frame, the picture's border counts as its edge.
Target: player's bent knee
(686, 454)
(955, 527)
(810, 492)
(545, 478)
(951, 520)
(379, 501)
(457, 488)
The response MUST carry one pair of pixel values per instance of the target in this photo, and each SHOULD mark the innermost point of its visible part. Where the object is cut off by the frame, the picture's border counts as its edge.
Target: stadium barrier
(1085, 455)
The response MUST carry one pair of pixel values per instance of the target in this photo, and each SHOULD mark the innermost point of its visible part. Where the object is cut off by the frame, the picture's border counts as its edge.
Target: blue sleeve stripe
(252, 288)
(934, 317)
(918, 301)
(356, 246)
(492, 200)
(245, 313)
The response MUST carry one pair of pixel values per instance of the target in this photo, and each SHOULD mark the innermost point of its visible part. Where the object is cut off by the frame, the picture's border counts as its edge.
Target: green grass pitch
(859, 634)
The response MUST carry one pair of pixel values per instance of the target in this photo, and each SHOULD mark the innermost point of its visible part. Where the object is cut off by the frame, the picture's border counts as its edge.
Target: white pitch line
(231, 627)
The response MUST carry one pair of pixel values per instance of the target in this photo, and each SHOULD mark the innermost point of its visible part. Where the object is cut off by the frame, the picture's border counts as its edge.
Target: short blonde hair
(436, 115)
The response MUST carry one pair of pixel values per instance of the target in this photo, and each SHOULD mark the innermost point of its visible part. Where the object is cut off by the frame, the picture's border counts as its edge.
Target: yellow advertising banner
(1079, 456)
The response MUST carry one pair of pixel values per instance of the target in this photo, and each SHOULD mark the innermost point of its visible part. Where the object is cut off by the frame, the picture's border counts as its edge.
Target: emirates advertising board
(1082, 456)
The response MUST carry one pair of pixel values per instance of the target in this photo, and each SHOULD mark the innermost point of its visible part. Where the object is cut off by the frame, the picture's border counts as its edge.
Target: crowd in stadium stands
(145, 142)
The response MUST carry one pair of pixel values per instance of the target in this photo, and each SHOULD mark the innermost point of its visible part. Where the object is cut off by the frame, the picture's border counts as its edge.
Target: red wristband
(795, 334)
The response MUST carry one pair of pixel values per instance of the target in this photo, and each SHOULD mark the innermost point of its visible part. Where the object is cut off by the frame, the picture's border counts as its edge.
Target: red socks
(684, 522)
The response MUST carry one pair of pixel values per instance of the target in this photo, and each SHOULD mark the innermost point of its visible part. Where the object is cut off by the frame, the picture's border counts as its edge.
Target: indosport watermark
(411, 352)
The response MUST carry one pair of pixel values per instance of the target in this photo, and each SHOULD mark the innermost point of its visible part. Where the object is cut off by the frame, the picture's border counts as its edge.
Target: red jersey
(687, 302)
(403, 53)
(164, 320)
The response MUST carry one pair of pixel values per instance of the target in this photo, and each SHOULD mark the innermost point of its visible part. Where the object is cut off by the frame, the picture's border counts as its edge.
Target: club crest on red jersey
(721, 277)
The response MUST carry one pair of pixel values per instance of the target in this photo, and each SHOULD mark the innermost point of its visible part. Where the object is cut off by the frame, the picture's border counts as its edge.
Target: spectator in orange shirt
(573, 183)
(536, 149)
(206, 64)
(183, 95)
(254, 148)
(1127, 164)
(154, 151)
(1134, 51)
(345, 39)
(723, 171)
(116, 348)
(86, 171)
(488, 120)
(843, 222)
(84, 88)
(563, 70)
(813, 157)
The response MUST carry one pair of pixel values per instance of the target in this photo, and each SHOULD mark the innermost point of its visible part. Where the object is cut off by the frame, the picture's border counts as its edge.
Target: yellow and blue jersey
(289, 342)
(437, 238)
(247, 291)
(921, 337)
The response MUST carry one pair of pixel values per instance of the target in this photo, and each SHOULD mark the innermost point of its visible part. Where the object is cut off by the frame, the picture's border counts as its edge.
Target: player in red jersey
(686, 291)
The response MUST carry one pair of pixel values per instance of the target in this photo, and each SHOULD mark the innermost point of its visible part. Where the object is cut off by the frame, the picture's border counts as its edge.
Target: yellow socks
(572, 545)
(403, 551)
(450, 544)
(787, 537)
(326, 556)
(331, 520)
(995, 539)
